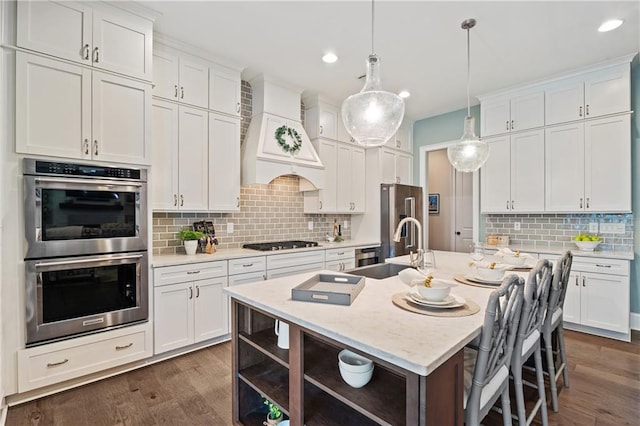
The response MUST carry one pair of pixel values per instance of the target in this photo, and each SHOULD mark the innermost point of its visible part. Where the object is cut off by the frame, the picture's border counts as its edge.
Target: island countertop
(373, 324)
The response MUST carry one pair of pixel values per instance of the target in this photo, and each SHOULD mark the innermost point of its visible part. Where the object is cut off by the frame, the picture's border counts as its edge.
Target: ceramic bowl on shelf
(437, 291)
(355, 370)
(587, 245)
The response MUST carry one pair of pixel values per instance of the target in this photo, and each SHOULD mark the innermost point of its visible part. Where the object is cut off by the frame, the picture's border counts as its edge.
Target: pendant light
(372, 116)
(470, 153)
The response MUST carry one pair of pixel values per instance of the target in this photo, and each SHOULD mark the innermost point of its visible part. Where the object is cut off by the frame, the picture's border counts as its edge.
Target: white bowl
(511, 259)
(355, 380)
(587, 245)
(494, 274)
(438, 291)
(353, 362)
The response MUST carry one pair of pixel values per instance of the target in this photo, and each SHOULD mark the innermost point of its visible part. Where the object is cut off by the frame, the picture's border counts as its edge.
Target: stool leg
(506, 407)
(516, 370)
(552, 371)
(541, 392)
(563, 356)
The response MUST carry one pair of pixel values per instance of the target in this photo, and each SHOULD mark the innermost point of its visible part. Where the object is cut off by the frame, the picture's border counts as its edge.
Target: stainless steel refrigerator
(397, 202)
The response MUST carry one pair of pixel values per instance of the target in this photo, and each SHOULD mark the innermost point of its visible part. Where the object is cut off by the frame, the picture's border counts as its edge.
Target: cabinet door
(61, 29)
(224, 163)
(494, 117)
(122, 43)
(343, 180)
(121, 121)
(564, 168)
(404, 137)
(193, 158)
(166, 66)
(605, 302)
(527, 171)
(495, 192)
(357, 183)
(211, 312)
(388, 166)
(527, 111)
(53, 107)
(328, 152)
(564, 101)
(607, 91)
(343, 135)
(328, 122)
(404, 168)
(224, 90)
(607, 161)
(173, 317)
(571, 307)
(164, 134)
(194, 83)
(294, 270)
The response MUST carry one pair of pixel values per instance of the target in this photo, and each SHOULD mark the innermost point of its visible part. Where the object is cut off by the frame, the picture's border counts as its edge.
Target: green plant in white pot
(190, 240)
(274, 416)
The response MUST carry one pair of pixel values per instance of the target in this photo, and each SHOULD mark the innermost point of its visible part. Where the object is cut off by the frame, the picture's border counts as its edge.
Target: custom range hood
(275, 105)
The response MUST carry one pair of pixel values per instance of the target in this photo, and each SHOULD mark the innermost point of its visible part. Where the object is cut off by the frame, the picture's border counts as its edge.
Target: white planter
(191, 246)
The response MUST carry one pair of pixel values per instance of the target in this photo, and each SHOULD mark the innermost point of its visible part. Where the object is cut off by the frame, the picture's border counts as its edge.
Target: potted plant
(190, 239)
(274, 416)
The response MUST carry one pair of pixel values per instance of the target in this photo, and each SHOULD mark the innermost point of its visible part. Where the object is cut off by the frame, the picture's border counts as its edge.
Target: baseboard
(634, 321)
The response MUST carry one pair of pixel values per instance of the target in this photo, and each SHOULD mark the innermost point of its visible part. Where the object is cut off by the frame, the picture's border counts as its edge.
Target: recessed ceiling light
(330, 58)
(404, 94)
(609, 25)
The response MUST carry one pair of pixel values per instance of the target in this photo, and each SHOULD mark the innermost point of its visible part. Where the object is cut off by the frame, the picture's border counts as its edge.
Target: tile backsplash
(558, 230)
(270, 212)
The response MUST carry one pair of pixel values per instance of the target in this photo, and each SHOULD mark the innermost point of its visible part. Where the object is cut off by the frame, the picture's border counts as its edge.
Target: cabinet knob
(96, 55)
(86, 51)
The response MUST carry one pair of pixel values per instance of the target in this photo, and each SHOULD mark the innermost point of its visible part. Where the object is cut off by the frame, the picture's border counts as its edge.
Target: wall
(447, 127)
(272, 212)
(440, 182)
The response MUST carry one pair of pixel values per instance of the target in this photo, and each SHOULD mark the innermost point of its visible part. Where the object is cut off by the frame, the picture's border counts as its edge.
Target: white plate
(482, 280)
(415, 294)
(457, 302)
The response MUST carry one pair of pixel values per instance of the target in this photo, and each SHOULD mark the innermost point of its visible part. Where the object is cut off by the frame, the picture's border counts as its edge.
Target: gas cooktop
(280, 245)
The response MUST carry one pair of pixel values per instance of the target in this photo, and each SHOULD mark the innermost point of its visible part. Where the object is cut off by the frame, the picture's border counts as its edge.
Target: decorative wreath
(293, 135)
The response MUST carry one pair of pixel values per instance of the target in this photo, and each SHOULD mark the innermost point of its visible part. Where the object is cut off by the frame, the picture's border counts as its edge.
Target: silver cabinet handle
(602, 266)
(580, 111)
(175, 90)
(190, 292)
(321, 129)
(584, 281)
(96, 55)
(181, 200)
(397, 179)
(238, 107)
(507, 124)
(247, 265)
(95, 147)
(398, 144)
(587, 110)
(53, 364)
(512, 127)
(192, 272)
(507, 204)
(119, 348)
(181, 92)
(587, 202)
(237, 201)
(512, 205)
(86, 147)
(197, 291)
(86, 51)
(580, 202)
(320, 208)
(577, 281)
(264, 277)
(175, 199)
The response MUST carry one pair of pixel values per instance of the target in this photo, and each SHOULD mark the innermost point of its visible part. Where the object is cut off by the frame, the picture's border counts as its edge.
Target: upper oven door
(76, 216)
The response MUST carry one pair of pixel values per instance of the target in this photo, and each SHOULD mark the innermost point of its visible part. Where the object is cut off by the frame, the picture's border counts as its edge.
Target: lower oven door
(78, 295)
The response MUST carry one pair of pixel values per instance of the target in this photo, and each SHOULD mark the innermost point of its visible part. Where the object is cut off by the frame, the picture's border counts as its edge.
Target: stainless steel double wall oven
(86, 259)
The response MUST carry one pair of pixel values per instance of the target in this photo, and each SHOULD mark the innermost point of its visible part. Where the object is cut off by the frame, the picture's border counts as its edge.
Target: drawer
(601, 266)
(247, 264)
(295, 259)
(48, 364)
(339, 254)
(294, 270)
(190, 272)
(249, 277)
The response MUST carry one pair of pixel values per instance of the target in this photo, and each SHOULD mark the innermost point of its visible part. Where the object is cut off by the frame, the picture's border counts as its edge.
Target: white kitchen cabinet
(180, 77)
(321, 118)
(512, 179)
(597, 298)
(180, 158)
(590, 95)
(324, 200)
(512, 113)
(343, 134)
(189, 304)
(396, 166)
(580, 158)
(224, 163)
(224, 90)
(340, 259)
(403, 138)
(69, 111)
(103, 37)
(283, 265)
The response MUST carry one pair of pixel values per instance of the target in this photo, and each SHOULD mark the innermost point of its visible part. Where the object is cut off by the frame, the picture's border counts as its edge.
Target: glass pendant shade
(372, 116)
(470, 153)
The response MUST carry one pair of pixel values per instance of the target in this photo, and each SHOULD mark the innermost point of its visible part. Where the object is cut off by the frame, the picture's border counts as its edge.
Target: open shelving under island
(418, 359)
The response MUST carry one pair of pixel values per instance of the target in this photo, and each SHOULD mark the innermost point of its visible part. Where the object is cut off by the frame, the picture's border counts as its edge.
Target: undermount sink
(378, 271)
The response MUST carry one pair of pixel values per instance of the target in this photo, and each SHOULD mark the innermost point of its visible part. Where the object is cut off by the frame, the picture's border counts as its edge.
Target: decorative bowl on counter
(491, 271)
(437, 291)
(587, 245)
(355, 370)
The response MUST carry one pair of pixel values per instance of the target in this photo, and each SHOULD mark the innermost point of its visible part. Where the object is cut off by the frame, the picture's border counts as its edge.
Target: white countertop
(605, 254)
(373, 324)
(183, 259)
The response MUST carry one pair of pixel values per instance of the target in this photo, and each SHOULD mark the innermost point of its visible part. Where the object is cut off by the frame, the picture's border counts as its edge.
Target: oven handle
(82, 261)
(85, 182)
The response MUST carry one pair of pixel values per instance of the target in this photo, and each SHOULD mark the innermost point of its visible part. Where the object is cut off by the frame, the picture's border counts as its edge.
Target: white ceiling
(420, 43)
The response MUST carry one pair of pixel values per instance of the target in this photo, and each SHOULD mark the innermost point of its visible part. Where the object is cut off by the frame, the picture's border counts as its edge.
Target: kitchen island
(418, 375)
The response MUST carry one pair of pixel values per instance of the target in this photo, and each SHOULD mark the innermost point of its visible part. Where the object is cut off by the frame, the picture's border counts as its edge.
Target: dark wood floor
(195, 389)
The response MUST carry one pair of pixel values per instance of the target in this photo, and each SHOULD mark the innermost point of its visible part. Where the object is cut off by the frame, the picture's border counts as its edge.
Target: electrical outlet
(612, 228)
(310, 225)
(516, 226)
(229, 227)
(593, 227)
(345, 225)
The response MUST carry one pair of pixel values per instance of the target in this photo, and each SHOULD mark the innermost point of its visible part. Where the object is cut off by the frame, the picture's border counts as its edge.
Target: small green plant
(189, 235)
(274, 411)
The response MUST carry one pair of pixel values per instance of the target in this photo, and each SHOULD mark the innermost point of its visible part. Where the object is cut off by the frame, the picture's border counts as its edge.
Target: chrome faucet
(416, 261)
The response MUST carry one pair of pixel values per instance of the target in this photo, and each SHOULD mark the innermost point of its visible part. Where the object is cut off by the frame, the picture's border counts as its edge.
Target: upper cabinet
(511, 113)
(403, 139)
(103, 37)
(594, 94)
(179, 77)
(224, 162)
(321, 118)
(224, 90)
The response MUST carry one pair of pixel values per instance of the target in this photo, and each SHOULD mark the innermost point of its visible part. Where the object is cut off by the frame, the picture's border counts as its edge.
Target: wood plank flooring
(195, 389)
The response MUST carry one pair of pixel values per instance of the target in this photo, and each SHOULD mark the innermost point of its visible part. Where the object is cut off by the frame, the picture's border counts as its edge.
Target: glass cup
(476, 251)
(429, 261)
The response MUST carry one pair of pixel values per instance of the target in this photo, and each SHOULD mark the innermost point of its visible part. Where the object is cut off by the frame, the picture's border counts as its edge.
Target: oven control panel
(85, 170)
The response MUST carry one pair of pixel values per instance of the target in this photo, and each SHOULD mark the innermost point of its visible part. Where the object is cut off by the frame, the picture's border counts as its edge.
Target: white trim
(424, 149)
(634, 320)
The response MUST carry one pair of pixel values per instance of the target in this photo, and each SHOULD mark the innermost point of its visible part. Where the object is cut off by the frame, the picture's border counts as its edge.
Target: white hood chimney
(276, 104)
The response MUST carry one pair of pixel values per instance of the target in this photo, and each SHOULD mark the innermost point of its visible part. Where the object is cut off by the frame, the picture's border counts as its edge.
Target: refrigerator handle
(410, 210)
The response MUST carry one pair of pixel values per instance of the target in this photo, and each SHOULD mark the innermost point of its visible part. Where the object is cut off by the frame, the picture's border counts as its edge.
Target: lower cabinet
(283, 265)
(340, 260)
(191, 310)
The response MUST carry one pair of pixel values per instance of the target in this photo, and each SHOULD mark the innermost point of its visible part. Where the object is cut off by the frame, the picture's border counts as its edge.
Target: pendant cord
(372, 23)
(468, 74)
